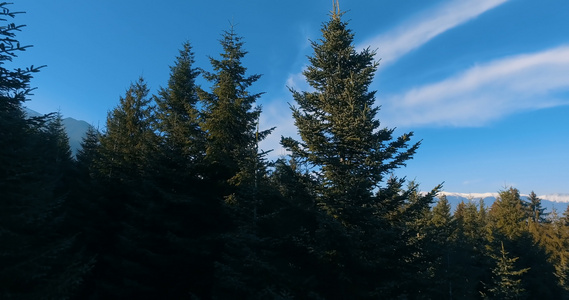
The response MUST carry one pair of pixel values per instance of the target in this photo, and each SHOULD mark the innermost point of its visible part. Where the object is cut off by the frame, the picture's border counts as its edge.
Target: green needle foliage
(174, 199)
(230, 118)
(178, 123)
(129, 141)
(507, 283)
(37, 260)
(341, 138)
(350, 156)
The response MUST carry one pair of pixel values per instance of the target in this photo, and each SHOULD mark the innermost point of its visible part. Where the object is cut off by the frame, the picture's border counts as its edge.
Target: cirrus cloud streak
(418, 31)
(486, 92)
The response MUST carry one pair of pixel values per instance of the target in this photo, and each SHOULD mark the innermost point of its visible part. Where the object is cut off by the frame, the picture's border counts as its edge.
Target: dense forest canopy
(174, 199)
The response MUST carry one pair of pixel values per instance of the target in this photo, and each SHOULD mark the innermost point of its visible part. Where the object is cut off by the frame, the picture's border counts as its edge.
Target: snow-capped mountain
(559, 202)
(564, 198)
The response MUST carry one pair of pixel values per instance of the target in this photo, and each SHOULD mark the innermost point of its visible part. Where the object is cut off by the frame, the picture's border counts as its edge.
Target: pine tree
(129, 141)
(37, 257)
(340, 137)
(86, 157)
(182, 139)
(507, 282)
(349, 155)
(507, 215)
(535, 211)
(470, 264)
(441, 233)
(230, 116)
(121, 230)
(235, 170)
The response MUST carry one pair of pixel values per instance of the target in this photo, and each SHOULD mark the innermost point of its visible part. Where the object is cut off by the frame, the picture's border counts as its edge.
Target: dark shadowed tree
(509, 224)
(37, 257)
(182, 140)
(193, 211)
(469, 262)
(235, 170)
(439, 236)
(125, 219)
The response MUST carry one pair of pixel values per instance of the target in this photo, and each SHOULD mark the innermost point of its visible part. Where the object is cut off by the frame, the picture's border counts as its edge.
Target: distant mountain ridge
(75, 129)
(550, 197)
(559, 202)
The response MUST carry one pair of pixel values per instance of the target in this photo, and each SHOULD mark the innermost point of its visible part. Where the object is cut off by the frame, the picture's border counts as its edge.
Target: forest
(174, 200)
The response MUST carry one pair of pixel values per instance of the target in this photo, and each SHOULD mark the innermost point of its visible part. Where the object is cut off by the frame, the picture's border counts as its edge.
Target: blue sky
(484, 83)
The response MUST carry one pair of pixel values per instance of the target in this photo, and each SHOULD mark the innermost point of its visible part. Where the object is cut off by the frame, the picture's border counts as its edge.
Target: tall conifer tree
(193, 214)
(230, 118)
(37, 258)
(534, 209)
(350, 155)
(125, 167)
(127, 144)
(340, 135)
(507, 215)
(506, 279)
(182, 139)
(234, 165)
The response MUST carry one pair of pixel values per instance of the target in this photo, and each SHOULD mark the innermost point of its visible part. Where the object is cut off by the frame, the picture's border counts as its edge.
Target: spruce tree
(565, 217)
(534, 209)
(341, 138)
(129, 140)
(124, 168)
(230, 121)
(509, 224)
(87, 155)
(182, 140)
(235, 169)
(350, 155)
(470, 264)
(506, 278)
(194, 215)
(37, 256)
(553, 237)
(441, 234)
(507, 215)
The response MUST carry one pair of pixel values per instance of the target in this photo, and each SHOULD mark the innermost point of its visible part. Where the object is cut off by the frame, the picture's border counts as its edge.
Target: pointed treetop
(336, 9)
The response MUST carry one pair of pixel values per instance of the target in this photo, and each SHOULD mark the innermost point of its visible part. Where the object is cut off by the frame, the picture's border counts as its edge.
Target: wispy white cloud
(397, 42)
(485, 92)
(416, 32)
(278, 115)
(298, 82)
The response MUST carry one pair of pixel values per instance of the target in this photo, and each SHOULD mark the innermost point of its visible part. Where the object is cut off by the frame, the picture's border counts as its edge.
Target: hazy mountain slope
(75, 129)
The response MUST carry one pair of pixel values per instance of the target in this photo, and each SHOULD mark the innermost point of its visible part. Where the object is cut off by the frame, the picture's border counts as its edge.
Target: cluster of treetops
(174, 200)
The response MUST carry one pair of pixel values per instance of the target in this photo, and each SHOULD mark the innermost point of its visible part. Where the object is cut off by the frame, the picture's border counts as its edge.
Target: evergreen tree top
(340, 137)
(337, 122)
(181, 84)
